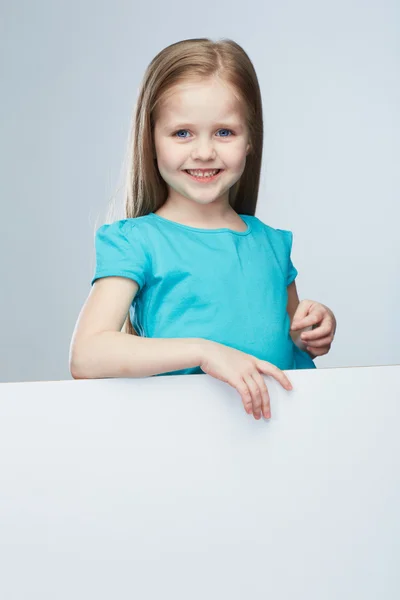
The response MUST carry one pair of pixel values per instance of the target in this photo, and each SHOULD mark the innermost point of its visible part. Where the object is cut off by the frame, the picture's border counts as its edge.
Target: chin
(205, 198)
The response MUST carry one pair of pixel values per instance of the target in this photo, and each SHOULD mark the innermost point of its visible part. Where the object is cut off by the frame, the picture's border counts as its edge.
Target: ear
(248, 148)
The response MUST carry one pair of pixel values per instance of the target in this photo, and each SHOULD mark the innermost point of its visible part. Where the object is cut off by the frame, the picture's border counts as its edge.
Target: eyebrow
(234, 124)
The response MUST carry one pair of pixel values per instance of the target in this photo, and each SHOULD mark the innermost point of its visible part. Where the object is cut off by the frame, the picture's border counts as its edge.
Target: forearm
(117, 354)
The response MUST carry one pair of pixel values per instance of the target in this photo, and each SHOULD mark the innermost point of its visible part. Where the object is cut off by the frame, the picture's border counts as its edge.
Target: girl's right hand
(242, 371)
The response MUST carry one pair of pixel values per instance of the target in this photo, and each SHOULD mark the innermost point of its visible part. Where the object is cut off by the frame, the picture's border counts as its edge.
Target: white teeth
(203, 173)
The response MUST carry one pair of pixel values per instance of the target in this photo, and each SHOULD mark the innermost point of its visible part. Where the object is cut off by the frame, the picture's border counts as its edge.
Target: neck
(190, 212)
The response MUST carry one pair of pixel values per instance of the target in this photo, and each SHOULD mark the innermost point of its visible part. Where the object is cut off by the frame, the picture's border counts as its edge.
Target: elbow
(77, 370)
(76, 374)
(77, 364)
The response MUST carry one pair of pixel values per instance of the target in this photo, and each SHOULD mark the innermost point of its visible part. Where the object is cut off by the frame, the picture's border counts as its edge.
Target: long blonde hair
(191, 59)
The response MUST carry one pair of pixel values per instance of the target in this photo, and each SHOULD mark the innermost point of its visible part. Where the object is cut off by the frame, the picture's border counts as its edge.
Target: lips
(204, 178)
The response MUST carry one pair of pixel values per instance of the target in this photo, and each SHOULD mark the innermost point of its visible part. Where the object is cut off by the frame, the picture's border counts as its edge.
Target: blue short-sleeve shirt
(216, 284)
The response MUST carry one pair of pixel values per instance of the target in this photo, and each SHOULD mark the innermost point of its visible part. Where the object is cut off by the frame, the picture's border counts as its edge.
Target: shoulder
(274, 234)
(280, 241)
(122, 225)
(125, 237)
(123, 229)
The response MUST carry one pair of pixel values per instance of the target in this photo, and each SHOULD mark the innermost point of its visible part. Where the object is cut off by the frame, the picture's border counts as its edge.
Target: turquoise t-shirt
(217, 284)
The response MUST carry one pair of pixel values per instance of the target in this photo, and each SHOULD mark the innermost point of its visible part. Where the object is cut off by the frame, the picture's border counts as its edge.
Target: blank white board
(164, 487)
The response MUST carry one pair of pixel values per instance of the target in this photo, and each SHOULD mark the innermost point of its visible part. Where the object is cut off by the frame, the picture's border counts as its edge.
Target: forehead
(208, 100)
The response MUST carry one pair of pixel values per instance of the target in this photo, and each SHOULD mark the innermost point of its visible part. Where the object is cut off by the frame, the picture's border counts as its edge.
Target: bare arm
(292, 304)
(99, 349)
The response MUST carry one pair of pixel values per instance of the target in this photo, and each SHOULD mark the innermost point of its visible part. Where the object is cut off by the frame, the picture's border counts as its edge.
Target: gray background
(329, 75)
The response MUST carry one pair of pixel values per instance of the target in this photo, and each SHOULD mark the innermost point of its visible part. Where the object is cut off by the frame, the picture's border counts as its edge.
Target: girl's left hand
(323, 322)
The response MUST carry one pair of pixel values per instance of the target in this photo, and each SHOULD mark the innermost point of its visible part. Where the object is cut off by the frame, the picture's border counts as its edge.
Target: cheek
(169, 157)
(234, 154)
(237, 160)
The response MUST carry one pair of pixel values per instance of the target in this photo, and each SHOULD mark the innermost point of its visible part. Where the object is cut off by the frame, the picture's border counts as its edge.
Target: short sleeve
(121, 252)
(292, 272)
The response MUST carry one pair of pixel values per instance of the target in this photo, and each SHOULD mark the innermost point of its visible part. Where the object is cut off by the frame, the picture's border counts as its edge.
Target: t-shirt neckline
(203, 230)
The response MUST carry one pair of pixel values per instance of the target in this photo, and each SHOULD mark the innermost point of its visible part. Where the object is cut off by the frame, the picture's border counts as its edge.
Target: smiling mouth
(205, 178)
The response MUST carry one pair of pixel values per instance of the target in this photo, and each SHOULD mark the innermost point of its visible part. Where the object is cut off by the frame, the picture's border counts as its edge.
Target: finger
(309, 320)
(297, 323)
(255, 394)
(320, 342)
(269, 369)
(301, 312)
(316, 334)
(265, 399)
(319, 351)
(245, 394)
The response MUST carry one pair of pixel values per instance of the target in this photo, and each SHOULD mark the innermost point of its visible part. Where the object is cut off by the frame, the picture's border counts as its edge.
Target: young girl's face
(200, 126)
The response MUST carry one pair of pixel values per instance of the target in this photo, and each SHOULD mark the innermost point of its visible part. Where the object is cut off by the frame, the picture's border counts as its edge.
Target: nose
(203, 150)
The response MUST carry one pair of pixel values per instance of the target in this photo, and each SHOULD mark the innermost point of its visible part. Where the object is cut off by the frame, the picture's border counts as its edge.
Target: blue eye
(226, 130)
(180, 130)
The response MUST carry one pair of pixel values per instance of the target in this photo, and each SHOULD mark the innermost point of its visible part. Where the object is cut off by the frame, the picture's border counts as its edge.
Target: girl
(191, 281)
